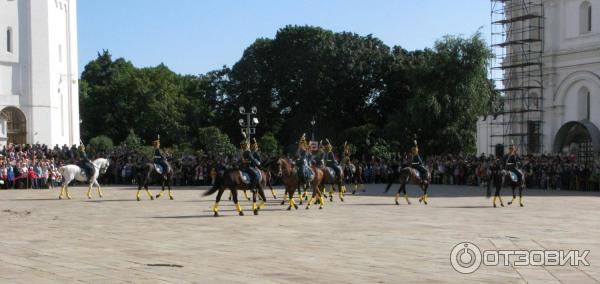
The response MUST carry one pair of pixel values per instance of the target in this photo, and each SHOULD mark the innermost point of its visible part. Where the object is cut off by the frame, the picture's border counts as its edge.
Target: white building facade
(570, 106)
(38, 71)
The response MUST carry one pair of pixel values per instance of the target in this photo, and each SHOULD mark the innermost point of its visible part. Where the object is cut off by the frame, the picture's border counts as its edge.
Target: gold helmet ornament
(254, 145)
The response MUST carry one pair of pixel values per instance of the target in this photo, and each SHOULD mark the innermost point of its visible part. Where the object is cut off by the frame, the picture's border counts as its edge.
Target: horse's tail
(212, 190)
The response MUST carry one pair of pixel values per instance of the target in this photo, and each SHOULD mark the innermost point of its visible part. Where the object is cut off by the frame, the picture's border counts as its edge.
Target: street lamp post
(312, 123)
(249, 124)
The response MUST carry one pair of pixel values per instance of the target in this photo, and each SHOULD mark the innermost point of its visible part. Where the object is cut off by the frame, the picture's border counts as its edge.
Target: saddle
(305, 172)
(247, 179)
(159, 169)
(513, 176)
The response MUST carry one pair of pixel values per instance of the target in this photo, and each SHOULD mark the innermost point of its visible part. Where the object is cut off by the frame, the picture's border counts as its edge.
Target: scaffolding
(517, 31)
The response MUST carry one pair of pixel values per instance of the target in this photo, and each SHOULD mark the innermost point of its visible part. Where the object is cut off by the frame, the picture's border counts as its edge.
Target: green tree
(213, 141)
(101, 143)
(268, 144)
(133, 141)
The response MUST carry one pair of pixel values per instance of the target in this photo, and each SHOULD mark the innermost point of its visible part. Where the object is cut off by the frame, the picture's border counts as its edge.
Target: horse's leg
(99, 189)
(300, 194)
(246, 195)
(254, 206)
(217, 200)
(89, 192)
(514, 195)
(161, 190)
(342, 189)
(62, 191)
(137, 195)
(424, 187)
(148, 192)
(238, 207)
(67, 191)
(521, 195)
(331, 193)
(497, 196)
(169, 187)
(291, 199)
(263, 198)
(272, 190)
(230, 195)
(362, 184)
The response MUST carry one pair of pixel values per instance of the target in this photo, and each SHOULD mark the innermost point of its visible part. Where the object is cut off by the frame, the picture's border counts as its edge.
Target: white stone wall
(41, 78)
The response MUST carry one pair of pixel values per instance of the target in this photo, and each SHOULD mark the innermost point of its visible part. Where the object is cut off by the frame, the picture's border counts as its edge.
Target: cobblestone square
(366, 239)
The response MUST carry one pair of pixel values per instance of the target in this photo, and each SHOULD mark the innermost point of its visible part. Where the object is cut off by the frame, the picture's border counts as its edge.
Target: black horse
(146, 172)
(499, 177)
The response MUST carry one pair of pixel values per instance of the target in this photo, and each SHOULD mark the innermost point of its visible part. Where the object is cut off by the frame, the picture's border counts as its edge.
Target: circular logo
(465, 257)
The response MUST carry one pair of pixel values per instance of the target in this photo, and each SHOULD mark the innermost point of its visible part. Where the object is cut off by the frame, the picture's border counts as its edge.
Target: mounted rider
(159, 158)
(249, 161)
(512, 161)
(85, 163)
(329, 158)
(302, 163)
(417, 162)
(254, 148)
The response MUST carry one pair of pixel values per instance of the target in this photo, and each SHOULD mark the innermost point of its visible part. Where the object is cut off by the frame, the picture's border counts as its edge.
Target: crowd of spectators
(35, 166)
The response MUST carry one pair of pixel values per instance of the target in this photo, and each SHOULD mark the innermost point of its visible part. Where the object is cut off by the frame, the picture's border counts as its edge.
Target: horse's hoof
(397, 203)
(101, 196)
(138, 199)
(320, 207)
(289, 208)
(157, 196)
(425, 202)
(509, 203)
(409, 203)
(501, 204)
(296, 207)
(60, 197)
(341, 199)
(171, 197)
(307, 207)
(151, 198)
(283, 202)
(255, 211)
(521, 205)
(241, 213)
(354, 192)
(495, 206)
(216, 214)
(89, 197)
(301, 201)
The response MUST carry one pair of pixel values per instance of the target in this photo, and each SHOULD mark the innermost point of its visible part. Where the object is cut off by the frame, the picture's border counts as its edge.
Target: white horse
(74, 172)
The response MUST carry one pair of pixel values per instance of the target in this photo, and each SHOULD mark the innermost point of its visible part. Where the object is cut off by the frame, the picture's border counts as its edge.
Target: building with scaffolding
(547, 69)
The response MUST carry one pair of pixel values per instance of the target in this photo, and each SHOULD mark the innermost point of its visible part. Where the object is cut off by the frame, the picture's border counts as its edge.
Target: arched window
(585, 17)
(9, 40)
(16, 124)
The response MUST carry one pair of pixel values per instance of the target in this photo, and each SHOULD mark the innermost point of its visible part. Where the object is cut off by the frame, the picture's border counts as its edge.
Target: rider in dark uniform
(512, 162)
(329, 158)
(86, 164)
(304, 157)
(417, 162)
(249, 162)
(254, 148)
(159, 158)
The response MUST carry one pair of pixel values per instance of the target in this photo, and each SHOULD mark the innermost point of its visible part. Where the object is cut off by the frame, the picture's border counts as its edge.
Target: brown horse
(354, 174)
(409, 175)
(233, 180)
(285, 169)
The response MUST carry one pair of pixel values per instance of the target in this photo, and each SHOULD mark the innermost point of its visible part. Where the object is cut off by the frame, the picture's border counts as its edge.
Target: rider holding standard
(249, 161)
(329, 158)
(159, 158)
(417, 162)
(86, 164)
(302, 163)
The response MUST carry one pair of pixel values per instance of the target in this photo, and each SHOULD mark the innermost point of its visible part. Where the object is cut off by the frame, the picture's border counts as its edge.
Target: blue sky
(197, 36)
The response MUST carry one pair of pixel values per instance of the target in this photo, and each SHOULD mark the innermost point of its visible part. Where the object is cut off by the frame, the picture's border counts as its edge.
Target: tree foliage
(378, 98)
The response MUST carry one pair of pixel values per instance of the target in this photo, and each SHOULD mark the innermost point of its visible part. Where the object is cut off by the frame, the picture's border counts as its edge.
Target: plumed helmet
(302, 141)
(415, 148)
(244, 144)
(156, 142)
(327, 145)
